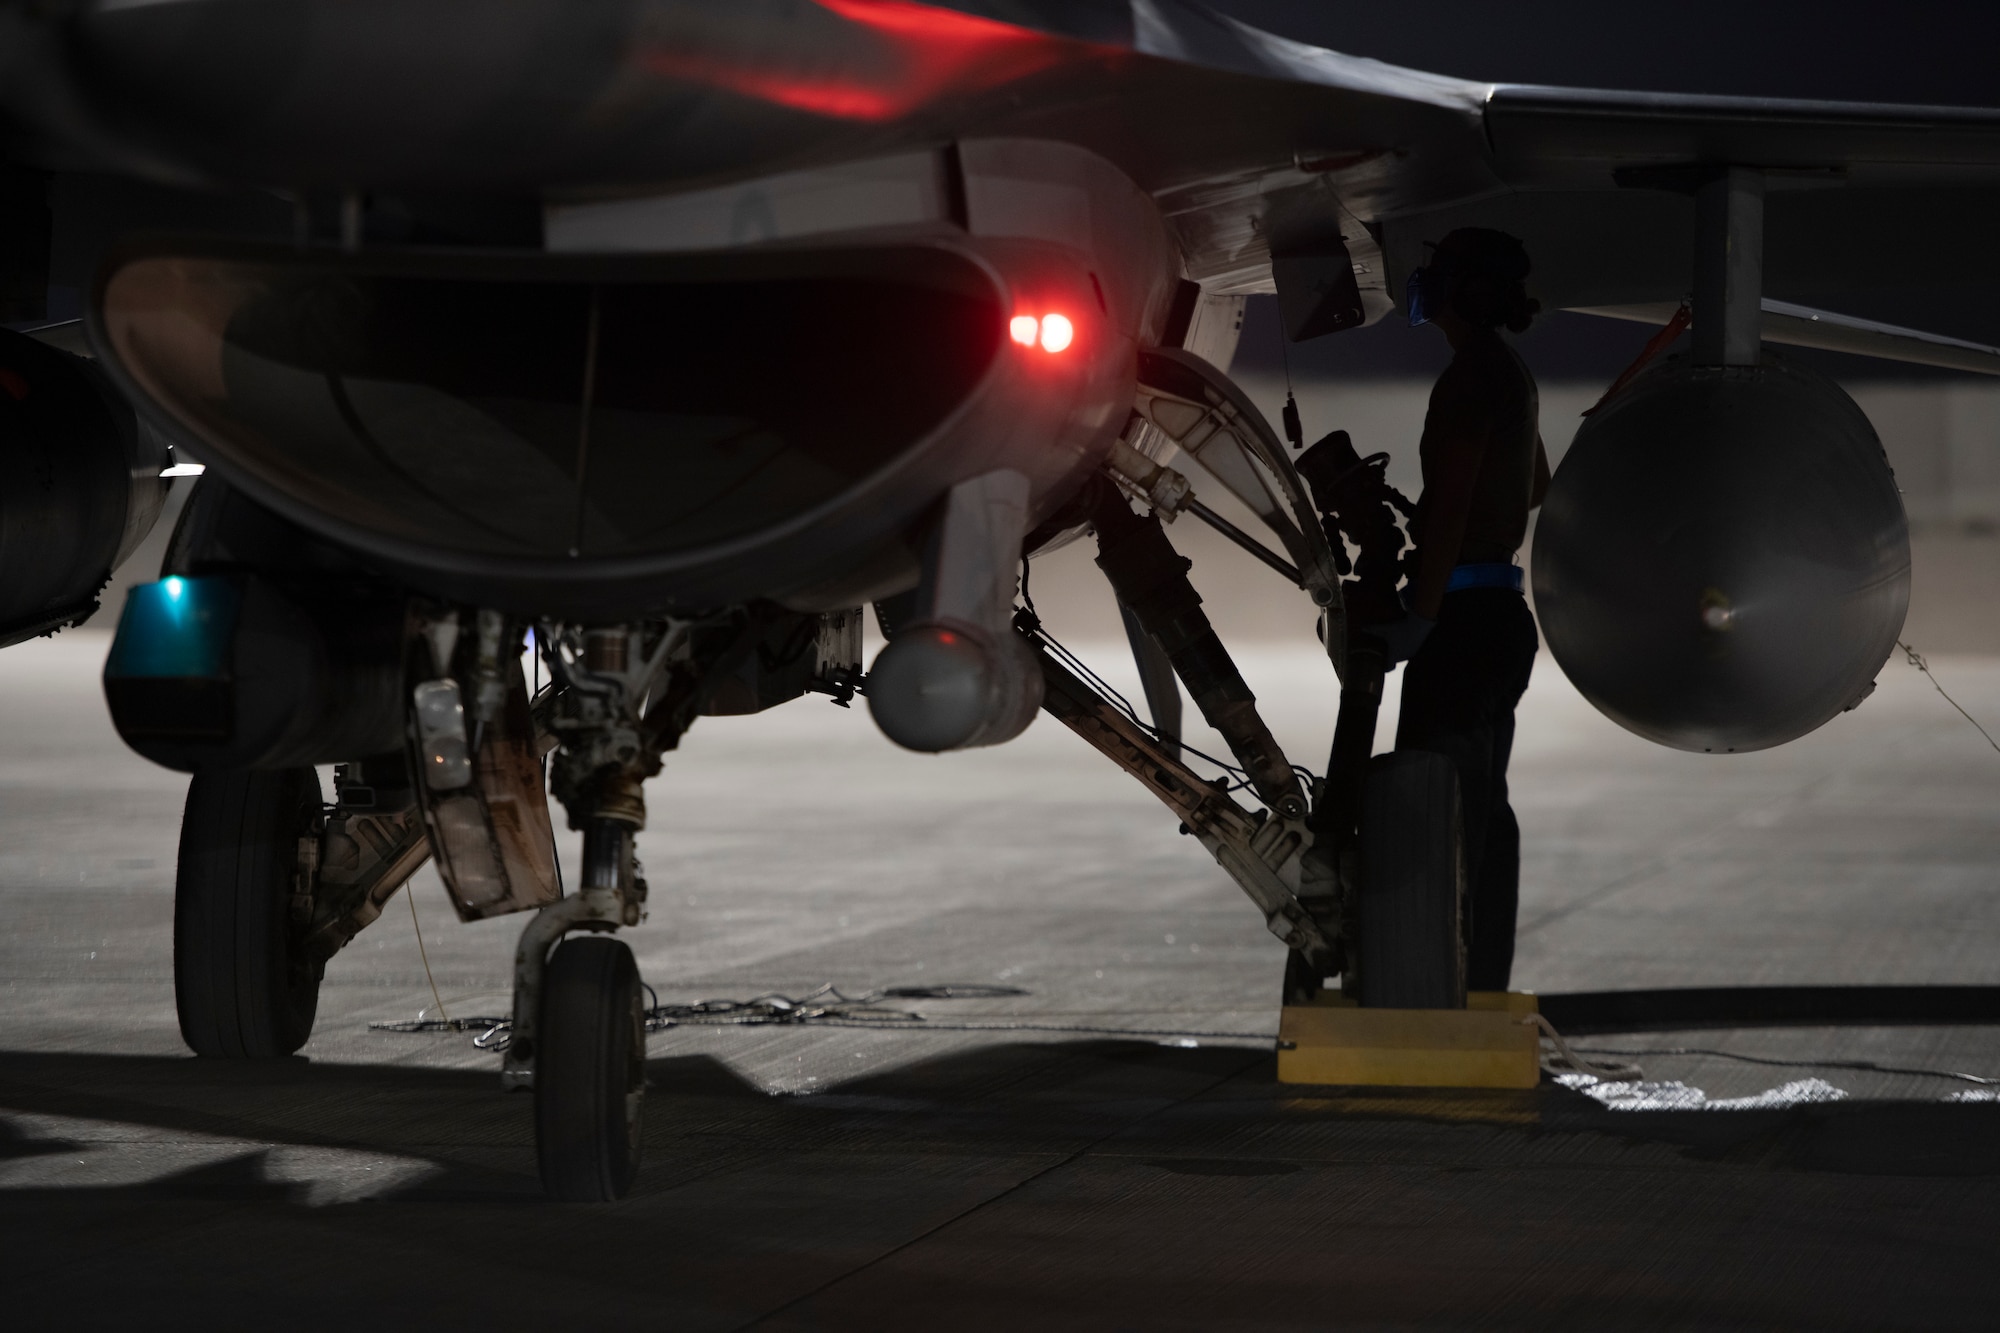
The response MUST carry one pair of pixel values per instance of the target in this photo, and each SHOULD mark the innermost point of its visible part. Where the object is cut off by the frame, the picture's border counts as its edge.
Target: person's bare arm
(1447, 508)
(1541, 474)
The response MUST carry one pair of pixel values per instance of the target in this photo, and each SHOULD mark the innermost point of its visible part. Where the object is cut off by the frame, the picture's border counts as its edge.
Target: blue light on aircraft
(178, 627)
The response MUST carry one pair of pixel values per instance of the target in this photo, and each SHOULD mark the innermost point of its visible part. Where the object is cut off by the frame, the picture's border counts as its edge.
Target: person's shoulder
(1480, 361)
(1459, 382)
(1495, 361)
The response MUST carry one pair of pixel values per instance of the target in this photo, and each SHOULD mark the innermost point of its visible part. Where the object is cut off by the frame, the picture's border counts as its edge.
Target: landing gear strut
(1388, 827)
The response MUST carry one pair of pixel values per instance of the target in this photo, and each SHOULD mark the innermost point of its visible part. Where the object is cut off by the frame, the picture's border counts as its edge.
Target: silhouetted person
(1469, 639)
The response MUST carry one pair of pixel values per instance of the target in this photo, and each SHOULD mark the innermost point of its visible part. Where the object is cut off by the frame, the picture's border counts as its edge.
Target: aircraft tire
(590, 1071)
(1410, 922)
(244, 986)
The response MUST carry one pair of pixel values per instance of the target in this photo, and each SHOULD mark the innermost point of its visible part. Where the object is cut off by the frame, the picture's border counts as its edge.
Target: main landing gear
(1389, 828)
(271, 884)
(1409, 927)
(246, 981)
(1366, 881)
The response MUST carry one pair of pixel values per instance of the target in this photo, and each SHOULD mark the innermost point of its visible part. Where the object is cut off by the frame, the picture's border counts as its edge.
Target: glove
(1404, 637)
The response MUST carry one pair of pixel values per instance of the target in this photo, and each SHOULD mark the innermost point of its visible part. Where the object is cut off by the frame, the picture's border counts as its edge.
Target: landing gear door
(1206, 415)
(491, 834)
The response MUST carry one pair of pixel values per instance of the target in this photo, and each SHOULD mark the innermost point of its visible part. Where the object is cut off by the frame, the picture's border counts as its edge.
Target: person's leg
(1496, 876)
(1446, 710)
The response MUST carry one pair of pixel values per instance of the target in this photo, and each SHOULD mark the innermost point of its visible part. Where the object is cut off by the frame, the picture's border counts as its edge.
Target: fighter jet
(670, 338)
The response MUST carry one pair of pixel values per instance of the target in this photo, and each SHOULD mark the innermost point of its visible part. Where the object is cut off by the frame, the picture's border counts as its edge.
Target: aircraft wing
(1251, 142)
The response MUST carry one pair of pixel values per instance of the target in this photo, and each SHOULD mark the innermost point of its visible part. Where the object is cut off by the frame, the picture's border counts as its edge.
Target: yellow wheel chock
(1487, 1044)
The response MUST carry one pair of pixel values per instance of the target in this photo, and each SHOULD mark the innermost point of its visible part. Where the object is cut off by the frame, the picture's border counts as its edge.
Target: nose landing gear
(624, 695)
(584, 1052)
(579, 1034)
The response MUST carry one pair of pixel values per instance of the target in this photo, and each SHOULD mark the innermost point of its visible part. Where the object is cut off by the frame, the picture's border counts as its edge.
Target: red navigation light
(1054, 332)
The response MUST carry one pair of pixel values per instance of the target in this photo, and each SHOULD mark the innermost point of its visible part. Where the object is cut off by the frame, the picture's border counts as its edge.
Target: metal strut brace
(1150, 577)
(598, 907)
(391, 848)
(1263, 858)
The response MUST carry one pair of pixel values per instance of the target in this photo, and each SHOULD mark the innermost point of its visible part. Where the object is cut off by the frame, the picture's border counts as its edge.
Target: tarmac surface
(1107, 1149)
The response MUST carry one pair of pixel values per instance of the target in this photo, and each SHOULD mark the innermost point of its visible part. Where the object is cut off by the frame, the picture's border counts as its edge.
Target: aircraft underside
(684, 438)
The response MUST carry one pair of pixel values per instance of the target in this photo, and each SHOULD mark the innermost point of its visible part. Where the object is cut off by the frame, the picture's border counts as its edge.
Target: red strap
(1654, 346)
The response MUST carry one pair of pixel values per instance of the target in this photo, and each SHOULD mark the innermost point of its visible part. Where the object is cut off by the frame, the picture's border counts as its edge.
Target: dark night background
(1924, 52)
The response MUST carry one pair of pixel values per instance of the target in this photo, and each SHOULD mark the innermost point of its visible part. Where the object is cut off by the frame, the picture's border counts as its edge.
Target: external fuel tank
(1722, 562)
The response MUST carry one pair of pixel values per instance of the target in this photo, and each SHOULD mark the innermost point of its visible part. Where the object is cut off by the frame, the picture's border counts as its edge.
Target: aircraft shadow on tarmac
(1214, 1111)
(1689, 1009)
(1081, 1185)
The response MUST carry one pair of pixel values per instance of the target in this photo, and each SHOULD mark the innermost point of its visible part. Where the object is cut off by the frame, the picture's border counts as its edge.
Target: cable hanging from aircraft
(1916, 660)
(1238, 779)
